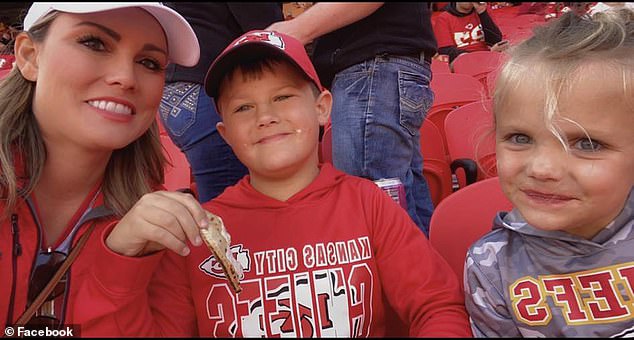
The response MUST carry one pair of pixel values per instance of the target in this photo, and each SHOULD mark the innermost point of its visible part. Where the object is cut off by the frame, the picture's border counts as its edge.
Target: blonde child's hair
(558, 52)
(131, 172)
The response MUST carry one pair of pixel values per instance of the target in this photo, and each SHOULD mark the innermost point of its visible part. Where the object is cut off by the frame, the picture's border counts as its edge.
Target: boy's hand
(159, 220)
(500, 46)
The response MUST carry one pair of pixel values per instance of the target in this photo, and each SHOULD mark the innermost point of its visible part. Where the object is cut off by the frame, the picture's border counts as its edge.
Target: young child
(465, 27)
(323, 253)
(561, 263)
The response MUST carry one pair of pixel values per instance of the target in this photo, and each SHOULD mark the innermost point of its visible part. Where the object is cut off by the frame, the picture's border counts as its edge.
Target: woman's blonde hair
(558, 51)
(131, 172)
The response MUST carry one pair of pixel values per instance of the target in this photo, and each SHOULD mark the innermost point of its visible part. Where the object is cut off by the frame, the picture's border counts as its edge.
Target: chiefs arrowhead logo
(212, 267)
(263, 36)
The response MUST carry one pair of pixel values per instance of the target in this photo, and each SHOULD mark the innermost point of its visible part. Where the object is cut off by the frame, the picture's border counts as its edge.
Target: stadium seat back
(471, 142)
(452, 91)
(435, 164)
(463, 217)
(478, 64)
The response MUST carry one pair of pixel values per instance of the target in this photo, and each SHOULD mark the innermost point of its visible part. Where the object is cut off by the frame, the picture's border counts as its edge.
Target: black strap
(28, 314)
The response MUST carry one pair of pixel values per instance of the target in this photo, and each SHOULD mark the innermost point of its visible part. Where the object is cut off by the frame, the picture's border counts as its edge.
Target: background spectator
(467, 27)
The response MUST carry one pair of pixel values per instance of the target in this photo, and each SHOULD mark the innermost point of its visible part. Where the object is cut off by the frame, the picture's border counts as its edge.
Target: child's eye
(92, 42)
(586, 144)
(519, 138)
(242, 108)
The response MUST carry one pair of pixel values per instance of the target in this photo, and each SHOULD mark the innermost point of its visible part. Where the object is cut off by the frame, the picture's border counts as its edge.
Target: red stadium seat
(471, 142)
(435, 166)
(439, 66)
(517, 35)
(491, 79)
(478, 64)
(452, 91)
(463, 217)
(517, 28)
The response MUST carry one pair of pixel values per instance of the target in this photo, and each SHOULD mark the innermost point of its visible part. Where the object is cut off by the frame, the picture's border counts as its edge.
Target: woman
(80, 147)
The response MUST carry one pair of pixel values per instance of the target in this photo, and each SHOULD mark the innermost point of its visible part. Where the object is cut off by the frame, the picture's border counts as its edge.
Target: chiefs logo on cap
(263, 36)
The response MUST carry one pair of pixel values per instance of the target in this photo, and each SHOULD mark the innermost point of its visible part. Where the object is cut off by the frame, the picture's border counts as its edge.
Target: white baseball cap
(183, 47)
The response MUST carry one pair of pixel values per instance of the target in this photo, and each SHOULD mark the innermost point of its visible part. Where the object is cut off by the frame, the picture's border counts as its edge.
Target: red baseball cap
(255, 45)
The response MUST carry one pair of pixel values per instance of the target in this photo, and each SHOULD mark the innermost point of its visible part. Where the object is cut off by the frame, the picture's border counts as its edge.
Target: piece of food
(218, 240)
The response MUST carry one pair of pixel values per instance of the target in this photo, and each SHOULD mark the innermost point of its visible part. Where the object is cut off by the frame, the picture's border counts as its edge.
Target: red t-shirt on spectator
(464, 33)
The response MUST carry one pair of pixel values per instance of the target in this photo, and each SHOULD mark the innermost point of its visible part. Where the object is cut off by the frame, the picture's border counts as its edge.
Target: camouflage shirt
(521, 281)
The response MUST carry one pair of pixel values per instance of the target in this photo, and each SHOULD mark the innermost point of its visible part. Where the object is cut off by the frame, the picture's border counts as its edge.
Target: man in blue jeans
(187, 113)
(375, 58)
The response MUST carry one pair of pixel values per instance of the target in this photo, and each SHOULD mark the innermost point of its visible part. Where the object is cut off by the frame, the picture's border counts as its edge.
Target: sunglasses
(46, 264)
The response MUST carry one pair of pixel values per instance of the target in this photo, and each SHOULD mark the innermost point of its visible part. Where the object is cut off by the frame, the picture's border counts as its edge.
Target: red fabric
(464, 33)
(90, 306)
(6, 64)
(325, 262)
(6, 61)
(28, 239)
(532, 8)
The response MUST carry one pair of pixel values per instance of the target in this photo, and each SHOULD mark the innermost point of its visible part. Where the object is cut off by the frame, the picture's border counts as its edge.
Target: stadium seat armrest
(469, 166)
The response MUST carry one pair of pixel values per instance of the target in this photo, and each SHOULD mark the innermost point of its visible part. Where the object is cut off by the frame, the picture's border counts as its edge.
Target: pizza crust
(218, 241)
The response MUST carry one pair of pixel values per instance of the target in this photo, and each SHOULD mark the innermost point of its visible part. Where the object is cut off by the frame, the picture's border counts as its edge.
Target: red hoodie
(20, 241)
(86, 306)
(336, 259)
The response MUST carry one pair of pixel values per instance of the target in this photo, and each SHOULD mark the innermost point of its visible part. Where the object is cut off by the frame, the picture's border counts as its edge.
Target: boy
(324, 253)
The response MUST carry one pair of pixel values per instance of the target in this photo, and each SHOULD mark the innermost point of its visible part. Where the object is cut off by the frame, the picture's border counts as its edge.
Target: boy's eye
(282, 97)
(519, 138)
(586, 144)
(242, 108)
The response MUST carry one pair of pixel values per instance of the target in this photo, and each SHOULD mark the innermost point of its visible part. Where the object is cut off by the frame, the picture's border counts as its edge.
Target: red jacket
(83, 307)
(20, 242)
(339, 258)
